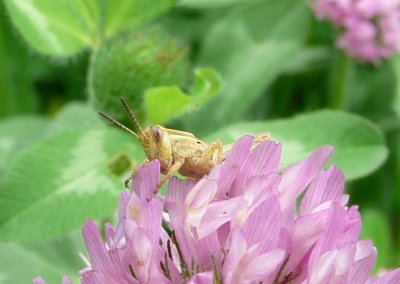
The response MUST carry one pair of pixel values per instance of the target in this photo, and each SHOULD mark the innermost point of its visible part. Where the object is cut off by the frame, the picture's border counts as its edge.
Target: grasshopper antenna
(120, 125)
(132, 116)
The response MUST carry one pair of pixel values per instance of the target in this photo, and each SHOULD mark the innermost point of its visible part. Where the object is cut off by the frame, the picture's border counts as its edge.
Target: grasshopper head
(154, 139)
(156, 144)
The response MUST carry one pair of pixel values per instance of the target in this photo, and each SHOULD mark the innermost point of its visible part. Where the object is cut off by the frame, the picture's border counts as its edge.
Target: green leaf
(59, 28)
(126, 14)
(20, 265)
(360, 147)
(211, 3)
(51, 259)
(60, 252)
(368, 86)
(17, 93)
(309, 58)
(63, 28)
(375, 227)
(162, 104)
(75, 115)
(396, 104)
(263, 38)
(17, 134)
(207, 83)
(63, 180)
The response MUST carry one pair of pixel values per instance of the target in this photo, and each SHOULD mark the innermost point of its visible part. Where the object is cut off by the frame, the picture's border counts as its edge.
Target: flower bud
(127, 65)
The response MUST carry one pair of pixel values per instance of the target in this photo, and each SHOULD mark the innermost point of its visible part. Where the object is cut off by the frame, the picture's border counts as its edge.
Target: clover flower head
(245, 222)
(370, 29)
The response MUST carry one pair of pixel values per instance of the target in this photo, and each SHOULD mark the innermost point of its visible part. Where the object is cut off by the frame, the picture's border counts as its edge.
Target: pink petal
(202, 193)
(259, 188)
(105, 263)
(306, 231)
(343, 228)
(335, 226)
(217, 214)
(133, 208)
(321, 271)
(175, 197)
(197, 200)
(328, 186)
(353, 226)
(39, 280)
(263, 225)
(262, 266)
(151, 218)
(344, 261)
(202, 278)
(141, 248)
(66, 280)
(296, 177)
(185, 242)
(390, 277)
(110, 234)
(238, 249)
(263, 159)
(233, 163)
(123, 202)
(363, 263)
(119, 236)
(206, 248)
(146, 180)
(333, 266)
(95, 245)
(93, 277)
(198, 251)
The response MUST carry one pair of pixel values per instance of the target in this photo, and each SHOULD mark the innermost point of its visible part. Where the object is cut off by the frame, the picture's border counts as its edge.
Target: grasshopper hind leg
(209, 155)
(265, 136)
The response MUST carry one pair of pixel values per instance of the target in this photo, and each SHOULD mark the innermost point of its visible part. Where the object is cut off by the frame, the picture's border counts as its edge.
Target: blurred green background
(218, 69)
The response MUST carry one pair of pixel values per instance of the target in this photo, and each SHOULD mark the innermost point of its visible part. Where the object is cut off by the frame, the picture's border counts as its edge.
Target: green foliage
(66, 171)
(359, 145)
(49, 259)
(210, 3)
(130, 64)
(21, 132)
(396, 105)
(59, 28)
(263, 60)
(18, 134)
(369, 86)
(126, 14)
(376, 227)
(21, 265)
(74, 115)
(263, 38)
(63, 28)
(17, 95)
(165, 103)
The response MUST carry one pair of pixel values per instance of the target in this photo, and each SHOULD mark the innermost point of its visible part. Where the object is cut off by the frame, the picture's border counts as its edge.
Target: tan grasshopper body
(177, 151)
(195, 157)
(180, 151)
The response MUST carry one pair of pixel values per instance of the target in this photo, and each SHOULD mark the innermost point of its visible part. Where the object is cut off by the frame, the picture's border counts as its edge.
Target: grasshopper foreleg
(171, 171)
(132, 176)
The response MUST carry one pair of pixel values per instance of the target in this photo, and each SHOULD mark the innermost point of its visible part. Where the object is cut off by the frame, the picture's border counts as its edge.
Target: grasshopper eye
(157, 133)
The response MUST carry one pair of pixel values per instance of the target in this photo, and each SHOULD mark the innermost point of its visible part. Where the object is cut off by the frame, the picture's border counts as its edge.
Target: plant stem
(338, 79)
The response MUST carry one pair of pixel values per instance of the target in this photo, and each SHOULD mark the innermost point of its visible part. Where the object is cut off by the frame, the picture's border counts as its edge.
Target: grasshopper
(177, 151)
